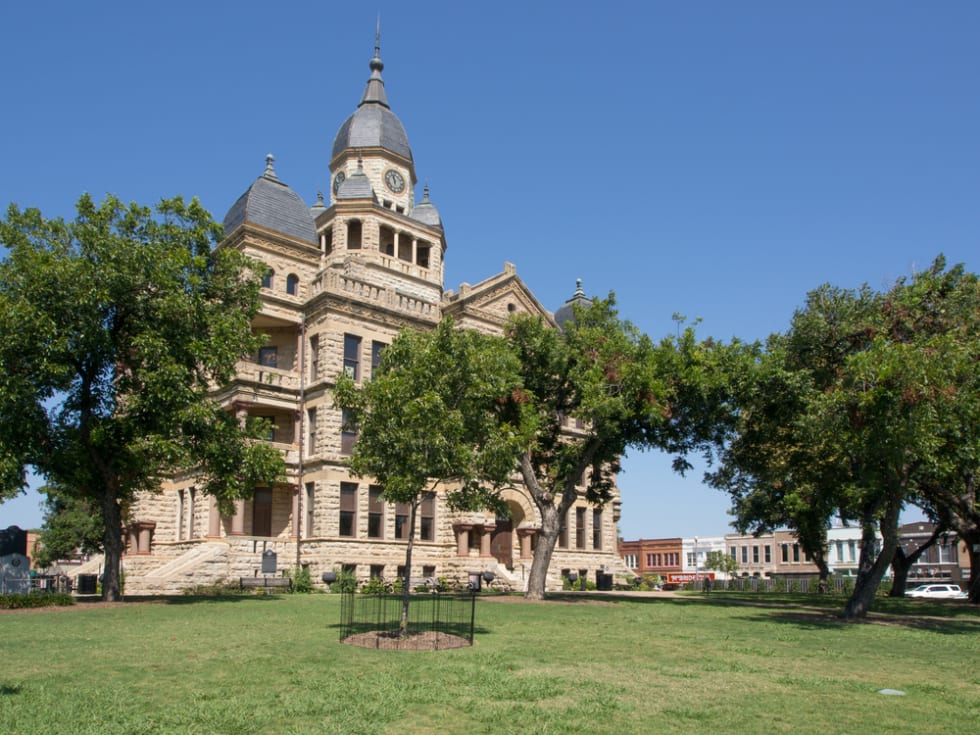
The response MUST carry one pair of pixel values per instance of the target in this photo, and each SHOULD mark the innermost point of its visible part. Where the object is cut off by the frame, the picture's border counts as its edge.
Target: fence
(803, 585)
(446, 619)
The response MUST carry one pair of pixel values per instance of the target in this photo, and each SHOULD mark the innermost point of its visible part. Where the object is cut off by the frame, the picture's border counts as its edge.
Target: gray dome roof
(426, 212)
(373, 124)
(271, 204)
(567, 311)
(357, 185)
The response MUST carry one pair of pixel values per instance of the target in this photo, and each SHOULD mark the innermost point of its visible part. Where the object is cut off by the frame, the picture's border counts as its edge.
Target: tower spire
(375, 90)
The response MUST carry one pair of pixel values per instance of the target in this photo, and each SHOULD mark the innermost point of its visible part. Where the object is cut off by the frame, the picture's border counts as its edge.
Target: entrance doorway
(502, 542)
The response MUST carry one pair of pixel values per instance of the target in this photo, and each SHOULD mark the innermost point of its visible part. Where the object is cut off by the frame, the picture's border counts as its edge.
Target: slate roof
(271, 204)
(426, 212)
(373, 124)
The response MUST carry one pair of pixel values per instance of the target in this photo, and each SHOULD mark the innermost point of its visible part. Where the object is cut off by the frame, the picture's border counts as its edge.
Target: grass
(273, 664)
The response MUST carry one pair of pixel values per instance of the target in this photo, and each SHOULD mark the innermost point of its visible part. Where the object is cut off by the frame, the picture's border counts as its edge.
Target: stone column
(488, 530)
(238, 520)
(462, 538)
(214, 518)
(526, 534)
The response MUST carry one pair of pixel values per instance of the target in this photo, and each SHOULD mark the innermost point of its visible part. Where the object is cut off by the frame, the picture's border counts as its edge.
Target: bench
(265, 583)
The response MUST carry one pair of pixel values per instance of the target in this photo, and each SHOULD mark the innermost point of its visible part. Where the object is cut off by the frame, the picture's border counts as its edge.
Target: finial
(578, 287)
(269, 170)
(319, 196)
(376, 63)
(425, 192)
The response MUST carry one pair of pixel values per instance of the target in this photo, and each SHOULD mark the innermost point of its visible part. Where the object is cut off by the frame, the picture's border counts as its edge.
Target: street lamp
(696, 575)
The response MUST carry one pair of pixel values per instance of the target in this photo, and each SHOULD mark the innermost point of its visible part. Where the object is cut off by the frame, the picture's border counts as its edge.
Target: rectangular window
(690, 558)
(310, 431)
(377, 571)
(851, 550)
(745, 554)
(310, 516)
(785, 553)
(596, 529)
(352, 356)
(314, 357)
(376, 513)
(650, 560)
(348, 433)
(427, 517)
(755, 554)
(262, 513)
(796, 552)
(563, 532)
(402, 511)
(734, 553)
(768, 553)
(348, 509)
(580, 528)
(376, 349)
(269, 356)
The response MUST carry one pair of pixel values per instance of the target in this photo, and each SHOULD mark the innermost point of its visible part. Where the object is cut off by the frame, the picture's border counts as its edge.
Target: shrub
(21, 602)
(375, 586)
(302, 581)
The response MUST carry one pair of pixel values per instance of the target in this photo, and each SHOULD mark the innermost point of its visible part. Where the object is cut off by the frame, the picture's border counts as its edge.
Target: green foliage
(719, 561)
(117, 325)
(375, 586)
(302, 581)
(70, 524)
(346, 581)
(21, 602)
(431, 416)
(868, 402)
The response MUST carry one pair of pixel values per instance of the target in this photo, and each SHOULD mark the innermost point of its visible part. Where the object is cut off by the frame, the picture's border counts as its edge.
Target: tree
(604, 375)
(117, 325)
(70, 524)
(432, 417)
(719, 561)
(868, 402)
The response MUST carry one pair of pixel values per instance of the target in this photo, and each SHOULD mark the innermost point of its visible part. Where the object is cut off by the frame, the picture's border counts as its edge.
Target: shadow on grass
(179, 599)
(6, 689)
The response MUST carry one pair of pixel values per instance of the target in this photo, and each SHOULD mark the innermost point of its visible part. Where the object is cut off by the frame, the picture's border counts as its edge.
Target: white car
(937, 591)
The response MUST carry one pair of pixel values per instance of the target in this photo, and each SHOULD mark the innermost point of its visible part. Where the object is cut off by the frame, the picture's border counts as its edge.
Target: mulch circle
(413, 641)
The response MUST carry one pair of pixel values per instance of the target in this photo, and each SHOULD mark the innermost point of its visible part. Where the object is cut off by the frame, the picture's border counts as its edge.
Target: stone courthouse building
(343, 278)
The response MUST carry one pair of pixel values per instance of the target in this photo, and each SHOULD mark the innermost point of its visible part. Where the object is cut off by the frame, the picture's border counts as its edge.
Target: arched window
(292, 284)
(267, 278)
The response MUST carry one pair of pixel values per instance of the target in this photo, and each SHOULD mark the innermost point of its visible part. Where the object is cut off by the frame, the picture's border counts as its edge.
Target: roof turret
(270, 203)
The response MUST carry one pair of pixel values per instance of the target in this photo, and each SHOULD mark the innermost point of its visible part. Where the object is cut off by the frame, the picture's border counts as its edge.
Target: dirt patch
(417, 641)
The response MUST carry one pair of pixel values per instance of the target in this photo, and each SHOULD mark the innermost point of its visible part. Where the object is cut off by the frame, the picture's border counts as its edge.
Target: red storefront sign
(689, 577)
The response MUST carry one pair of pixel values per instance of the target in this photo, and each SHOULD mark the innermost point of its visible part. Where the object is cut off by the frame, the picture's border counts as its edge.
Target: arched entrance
(502, 539)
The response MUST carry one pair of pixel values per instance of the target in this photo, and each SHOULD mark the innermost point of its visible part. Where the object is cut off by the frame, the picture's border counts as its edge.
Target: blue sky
(715, 159)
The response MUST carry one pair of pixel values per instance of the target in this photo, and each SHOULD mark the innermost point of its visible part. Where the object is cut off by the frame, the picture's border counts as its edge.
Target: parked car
(937, 591)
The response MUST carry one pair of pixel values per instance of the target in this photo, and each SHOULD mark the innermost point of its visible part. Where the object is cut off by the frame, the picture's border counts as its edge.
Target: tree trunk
(823, 571)
(550, 526)
(112, 543)
(407, 579)
(872, 568)
(901, 565)
(972, 541)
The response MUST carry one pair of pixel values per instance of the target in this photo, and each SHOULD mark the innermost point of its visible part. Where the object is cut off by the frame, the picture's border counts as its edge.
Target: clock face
(338, 180)
(394, 181)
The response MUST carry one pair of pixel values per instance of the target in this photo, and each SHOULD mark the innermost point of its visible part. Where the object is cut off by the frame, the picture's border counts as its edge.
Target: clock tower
(374, 226)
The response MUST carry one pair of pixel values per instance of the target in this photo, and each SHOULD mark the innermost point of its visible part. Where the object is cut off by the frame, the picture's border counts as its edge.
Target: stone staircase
(205, 564)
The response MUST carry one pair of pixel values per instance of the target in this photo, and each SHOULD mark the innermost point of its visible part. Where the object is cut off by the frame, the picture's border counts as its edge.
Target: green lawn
(652, 665)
